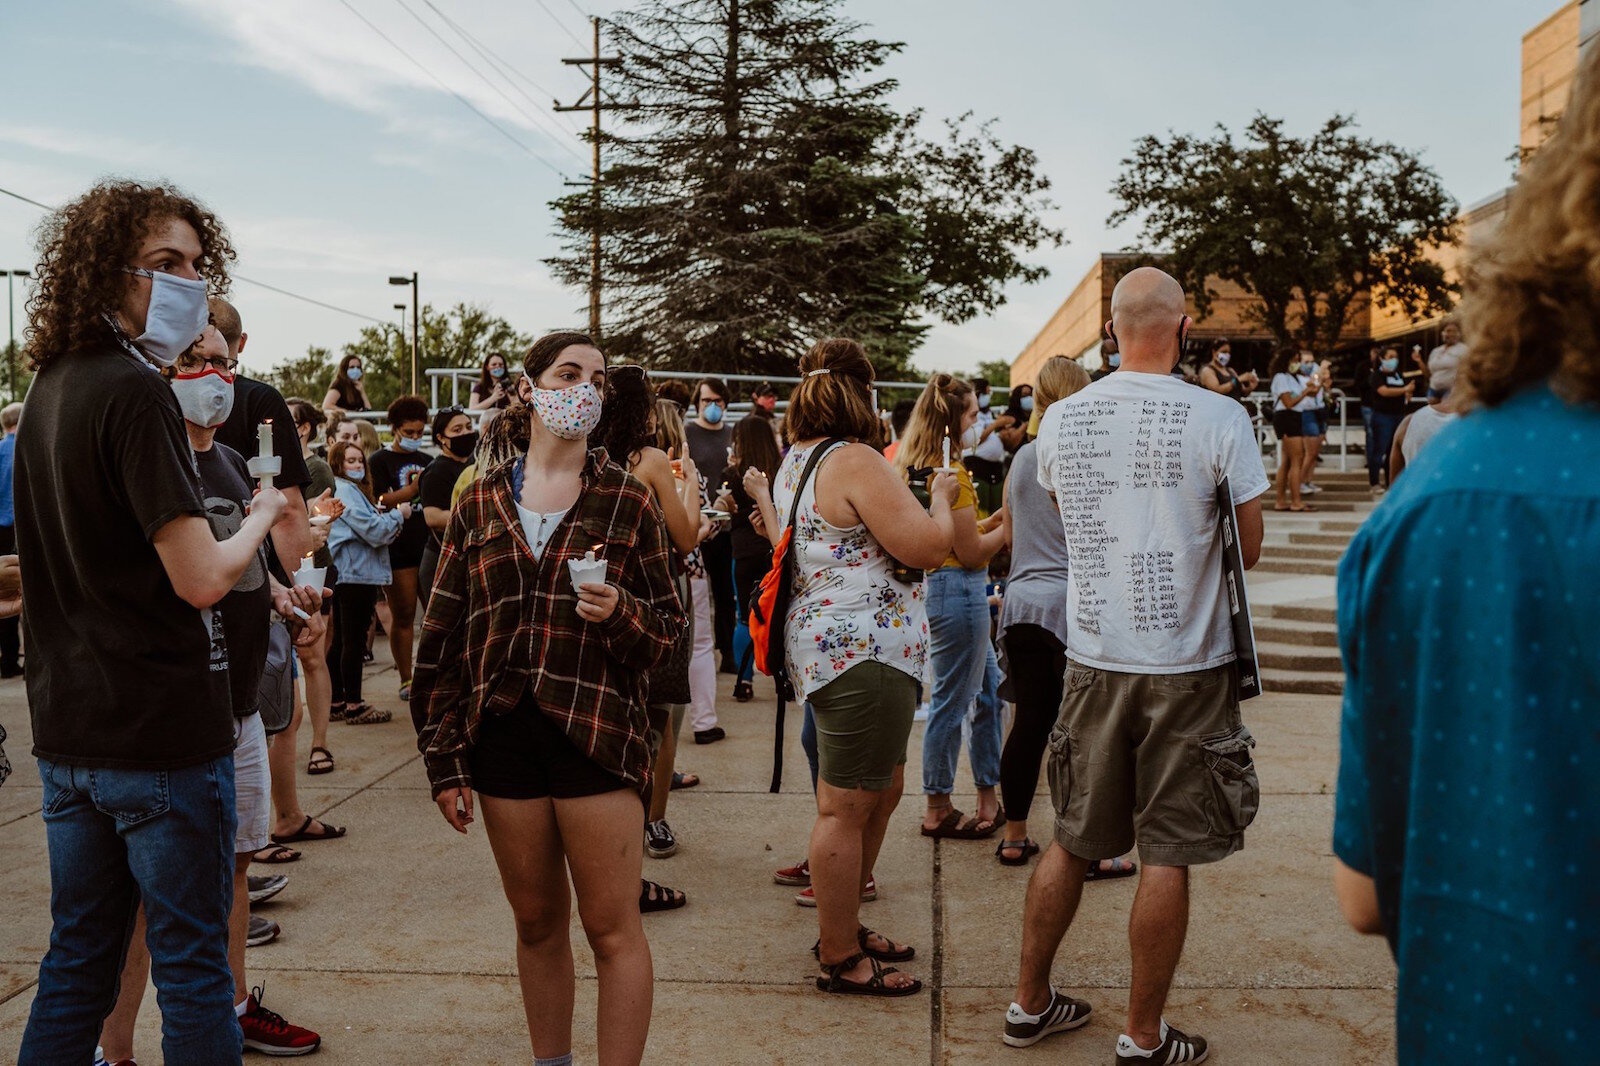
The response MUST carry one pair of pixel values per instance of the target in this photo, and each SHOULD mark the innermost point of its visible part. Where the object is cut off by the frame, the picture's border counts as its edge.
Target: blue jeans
(1366, 424)
(116, 838)
(964, 670)
(1383, 427)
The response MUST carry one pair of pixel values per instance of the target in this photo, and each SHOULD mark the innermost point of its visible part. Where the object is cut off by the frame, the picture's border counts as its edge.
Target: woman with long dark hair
(531, 684)
(345, 391)
(754, 448)
(492, 390)
(627, 432)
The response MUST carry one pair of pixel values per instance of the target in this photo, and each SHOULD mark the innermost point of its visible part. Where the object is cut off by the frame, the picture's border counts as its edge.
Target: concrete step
(1331, 505)
(1328, 683)
(1296, 612)
(1301, 551)
(1336, 539)
(1324, 567)
(1299, 658)
(1288, 631)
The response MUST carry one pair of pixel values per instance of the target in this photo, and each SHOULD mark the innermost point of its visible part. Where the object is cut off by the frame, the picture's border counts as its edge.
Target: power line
(236, 277)
(581, 12)
(557, 20)
(441, 83)
(501, 66)
(561, 134)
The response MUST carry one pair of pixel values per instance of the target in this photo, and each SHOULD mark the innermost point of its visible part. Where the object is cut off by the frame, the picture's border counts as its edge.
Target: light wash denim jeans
(964, 669)
(117, 837)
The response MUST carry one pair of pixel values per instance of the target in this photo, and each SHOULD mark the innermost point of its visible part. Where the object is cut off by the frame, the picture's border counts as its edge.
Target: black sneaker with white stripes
(1025, 1030)
(1174, 1047)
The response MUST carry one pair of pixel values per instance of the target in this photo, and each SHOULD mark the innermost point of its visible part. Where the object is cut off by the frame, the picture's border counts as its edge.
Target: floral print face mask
(570, 413)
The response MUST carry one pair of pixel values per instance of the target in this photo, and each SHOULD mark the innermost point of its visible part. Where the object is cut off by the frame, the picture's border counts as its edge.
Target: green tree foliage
(306, 377)
(1311, 225)
(463, 336)
(765, 193)
(997, 372)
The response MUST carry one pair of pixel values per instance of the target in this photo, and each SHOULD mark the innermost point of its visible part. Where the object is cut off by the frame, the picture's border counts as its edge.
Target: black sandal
(654, 897)
(905, 954)
(1026, 845)
(874, 986)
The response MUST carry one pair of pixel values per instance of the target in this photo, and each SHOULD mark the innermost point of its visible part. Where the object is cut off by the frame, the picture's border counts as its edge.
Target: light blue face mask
(354, 373)
(497, 372)
(1027, 404)
(1308, 368)
(357, 474)
(1114, 360)
(1390, 365)
(176, 315)
(713, 413)
(410, 444)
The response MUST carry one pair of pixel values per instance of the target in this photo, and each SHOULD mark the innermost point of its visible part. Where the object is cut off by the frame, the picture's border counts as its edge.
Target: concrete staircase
(1297, 643)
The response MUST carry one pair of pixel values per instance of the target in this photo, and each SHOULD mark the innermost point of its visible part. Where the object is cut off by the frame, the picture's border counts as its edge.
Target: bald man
(1134, 462)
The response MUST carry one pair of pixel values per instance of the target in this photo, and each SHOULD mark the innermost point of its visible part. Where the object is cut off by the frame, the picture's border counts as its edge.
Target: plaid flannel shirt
(501, 625)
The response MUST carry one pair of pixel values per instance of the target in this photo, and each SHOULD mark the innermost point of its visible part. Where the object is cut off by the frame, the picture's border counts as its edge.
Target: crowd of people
(589, 550)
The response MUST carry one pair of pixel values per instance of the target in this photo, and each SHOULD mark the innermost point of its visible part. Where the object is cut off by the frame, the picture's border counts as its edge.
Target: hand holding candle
(587, 571)
(310, 575)
(264, 464)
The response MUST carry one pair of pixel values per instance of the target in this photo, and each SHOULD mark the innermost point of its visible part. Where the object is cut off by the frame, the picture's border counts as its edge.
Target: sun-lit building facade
(1550, 56)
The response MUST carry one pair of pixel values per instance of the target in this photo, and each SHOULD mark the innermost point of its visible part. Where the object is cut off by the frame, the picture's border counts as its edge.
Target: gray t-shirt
(1038, 588)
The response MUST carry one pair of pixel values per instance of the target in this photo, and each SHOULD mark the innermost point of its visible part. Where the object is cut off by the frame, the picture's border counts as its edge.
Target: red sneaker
(268, 1033)
(798, 875)
(808, 898)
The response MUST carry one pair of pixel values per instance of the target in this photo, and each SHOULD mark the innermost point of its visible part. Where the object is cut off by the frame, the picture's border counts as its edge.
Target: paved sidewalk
(397, 941)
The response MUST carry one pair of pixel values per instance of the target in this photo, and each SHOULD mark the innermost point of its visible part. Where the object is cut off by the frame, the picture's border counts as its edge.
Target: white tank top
(846, 606)
(1425, 423)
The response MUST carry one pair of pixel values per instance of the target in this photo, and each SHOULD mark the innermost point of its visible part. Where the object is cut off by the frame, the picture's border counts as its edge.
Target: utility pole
(593, 102)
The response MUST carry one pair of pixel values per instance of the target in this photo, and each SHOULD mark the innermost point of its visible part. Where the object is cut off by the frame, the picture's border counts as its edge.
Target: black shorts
(1288, 423)
(522, 754)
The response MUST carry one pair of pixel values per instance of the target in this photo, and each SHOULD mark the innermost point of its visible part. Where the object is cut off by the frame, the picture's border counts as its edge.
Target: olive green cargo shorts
(1158, 759)
(863, 719)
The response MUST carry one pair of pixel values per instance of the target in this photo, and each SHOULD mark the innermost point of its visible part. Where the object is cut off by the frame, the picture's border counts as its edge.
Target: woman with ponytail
(964, 664)
(531, 686)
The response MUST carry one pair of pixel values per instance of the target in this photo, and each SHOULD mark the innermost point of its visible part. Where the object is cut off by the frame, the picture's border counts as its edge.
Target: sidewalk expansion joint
(936, 978)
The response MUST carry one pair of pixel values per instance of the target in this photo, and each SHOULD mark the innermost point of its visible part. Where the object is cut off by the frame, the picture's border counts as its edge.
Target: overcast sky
(336, 162)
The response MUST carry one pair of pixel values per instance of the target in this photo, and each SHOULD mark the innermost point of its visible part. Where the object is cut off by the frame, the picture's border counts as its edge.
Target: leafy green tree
(1313, 226)
(306, 377)
(764, 193)
(997, 372)
(463, 336)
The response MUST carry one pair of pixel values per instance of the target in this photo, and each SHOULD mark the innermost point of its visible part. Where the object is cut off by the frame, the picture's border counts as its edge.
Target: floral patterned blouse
(847, 608)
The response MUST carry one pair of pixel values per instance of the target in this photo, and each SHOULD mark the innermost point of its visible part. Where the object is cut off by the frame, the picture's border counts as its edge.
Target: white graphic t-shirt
(1134, 461)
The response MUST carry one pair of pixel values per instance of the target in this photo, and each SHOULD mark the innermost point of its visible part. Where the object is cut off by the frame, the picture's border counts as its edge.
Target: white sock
(242, 1008)
(1126, 1043)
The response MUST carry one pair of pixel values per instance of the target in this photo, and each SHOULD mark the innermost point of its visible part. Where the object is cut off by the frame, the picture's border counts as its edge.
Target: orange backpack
(770, 611)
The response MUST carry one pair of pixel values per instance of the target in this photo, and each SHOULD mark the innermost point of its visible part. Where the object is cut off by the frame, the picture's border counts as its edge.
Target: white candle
(264, 449)
(947, 452)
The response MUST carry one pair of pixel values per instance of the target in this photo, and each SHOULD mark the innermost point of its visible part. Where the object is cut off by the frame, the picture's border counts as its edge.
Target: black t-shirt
(392, 470)
(242, 613)
(1388, 405)
(118, 665)
(438, 483)
(253, 403)
(747, 543)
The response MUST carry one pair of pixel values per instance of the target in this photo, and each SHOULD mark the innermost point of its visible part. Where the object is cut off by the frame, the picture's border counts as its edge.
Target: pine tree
(765, 194)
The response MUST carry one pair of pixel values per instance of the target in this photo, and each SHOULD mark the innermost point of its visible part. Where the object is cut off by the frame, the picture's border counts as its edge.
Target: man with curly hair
(131, 711)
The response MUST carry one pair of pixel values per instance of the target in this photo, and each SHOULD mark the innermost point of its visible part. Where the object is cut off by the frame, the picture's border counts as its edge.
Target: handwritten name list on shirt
(1099, 453)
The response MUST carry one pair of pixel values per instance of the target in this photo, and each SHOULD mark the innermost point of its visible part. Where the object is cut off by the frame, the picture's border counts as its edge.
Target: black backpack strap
(782, 678)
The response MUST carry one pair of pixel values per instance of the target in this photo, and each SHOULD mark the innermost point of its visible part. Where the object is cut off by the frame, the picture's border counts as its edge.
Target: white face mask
(176, 315)
(206, 398)
(1223, 357)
